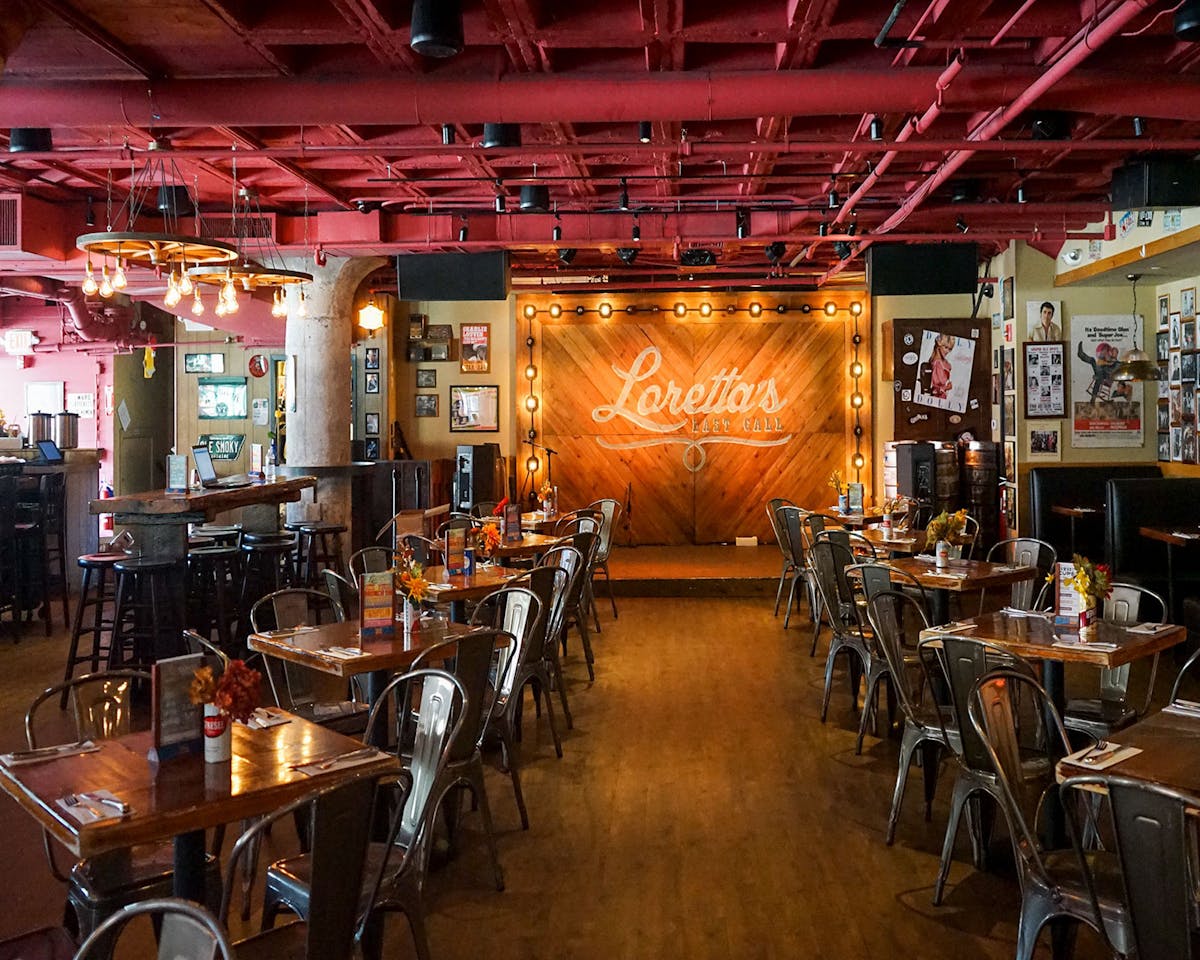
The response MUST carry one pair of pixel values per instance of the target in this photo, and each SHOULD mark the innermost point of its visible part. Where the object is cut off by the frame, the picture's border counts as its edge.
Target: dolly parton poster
(1104, 412)
(944, 371)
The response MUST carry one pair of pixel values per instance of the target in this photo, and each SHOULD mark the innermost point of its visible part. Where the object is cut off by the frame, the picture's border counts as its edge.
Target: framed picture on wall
(1174, 322)
(1045, 386)
(204, 363)
(1187, 302)
(475, 409)
(1164, 312)
(372, 425)
(475, 347)
(1045, 441)
(426, 405)
(1006, 298)
(371, 358)
(426, 379)
(1164, 416)
(222, 398)
(1164, 446)
(371, 383)
(371, 448)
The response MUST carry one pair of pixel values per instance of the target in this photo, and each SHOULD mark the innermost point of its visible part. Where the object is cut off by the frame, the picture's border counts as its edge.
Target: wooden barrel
(945, 477)
(980, 492)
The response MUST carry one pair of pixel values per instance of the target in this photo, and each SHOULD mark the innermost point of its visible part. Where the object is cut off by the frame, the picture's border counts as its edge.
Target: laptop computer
(208, 473)
(49, 451)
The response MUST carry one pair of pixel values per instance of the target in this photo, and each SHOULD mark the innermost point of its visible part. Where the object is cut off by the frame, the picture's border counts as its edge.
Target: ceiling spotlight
(535, 198)
(627, 255)
(623, 200)
(1020, 194)
(636, 233)
(1139, 126)
(852, 228)
(566, 255)
(876, 133)
(697, 257)
(775, 251)
(1187, 21)
(823, 229)
(448, 135)
(961, 225)
(556, 233)
(645, 131)
(743, 225)
(462, 231)
(842, 249)
(834, 203)
(1050, 125)
(501, 203)
(437, 28)
(89, 215)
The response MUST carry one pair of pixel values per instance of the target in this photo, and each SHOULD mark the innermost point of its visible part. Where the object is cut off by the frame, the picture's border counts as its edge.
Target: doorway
(144, 427)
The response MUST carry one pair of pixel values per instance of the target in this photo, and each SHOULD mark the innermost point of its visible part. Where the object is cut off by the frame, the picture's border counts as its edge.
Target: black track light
(437, 27)
(1187, 21)
(1139, 127)
(623, 199)
(876, 133)
(743, 225)
(775, 251)
(834, 203)
(822, 229)
(566, 256)
(842, 249)
(501, 203)
(636, 232)
(462, 231)
(556, 233)
(448, 134)
(1020, 194)
(961, 225)
(89, 214)
(645, 131)
(501, 135)
(852, 228)
(627, 255)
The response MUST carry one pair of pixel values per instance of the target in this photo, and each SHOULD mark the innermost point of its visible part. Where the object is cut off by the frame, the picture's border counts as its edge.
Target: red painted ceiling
(758, 109)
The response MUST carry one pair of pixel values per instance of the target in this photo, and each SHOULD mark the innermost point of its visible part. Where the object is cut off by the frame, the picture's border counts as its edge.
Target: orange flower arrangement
(235, 693)
(409, 576)
(545, 490)
(489, 539)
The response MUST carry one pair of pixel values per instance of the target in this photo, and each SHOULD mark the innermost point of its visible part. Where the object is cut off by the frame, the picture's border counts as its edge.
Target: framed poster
(1006, 298)
(1045, 441)
(1044, 318)
(1173, 325)
(426, 405)
(1164, 446)
(371, 448)
(1104, 412)
(1187, 302)
(475, 409)
(204, 363)
(371, 358)
(222, 398)
(1187, 339)
(1164, 417)
(371, 383)
(1162, 348)
(1010, 416)
(1164, 312)
(372, 425)
(474, 347)
(427, 379)
(1045, 385)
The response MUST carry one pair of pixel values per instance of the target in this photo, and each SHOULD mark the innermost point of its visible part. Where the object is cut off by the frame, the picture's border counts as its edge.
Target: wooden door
(140, 450)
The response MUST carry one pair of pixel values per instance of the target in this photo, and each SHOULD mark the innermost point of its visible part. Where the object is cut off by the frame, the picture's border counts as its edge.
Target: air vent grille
(10, 209)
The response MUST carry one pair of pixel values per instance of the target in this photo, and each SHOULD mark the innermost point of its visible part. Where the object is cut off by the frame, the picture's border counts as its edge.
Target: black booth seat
(1163, 502)
(1075, 486)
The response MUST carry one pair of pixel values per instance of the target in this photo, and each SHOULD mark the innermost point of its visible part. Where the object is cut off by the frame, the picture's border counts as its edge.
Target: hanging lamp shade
(1137, 365)
(370, 317)
(535, 198)
(437, 28)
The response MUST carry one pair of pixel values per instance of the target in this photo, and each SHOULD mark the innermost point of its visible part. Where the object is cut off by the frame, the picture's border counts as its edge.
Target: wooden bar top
(378, 653)
(205, 501)
(185, 794)
(1034, 638)
(1170, 745)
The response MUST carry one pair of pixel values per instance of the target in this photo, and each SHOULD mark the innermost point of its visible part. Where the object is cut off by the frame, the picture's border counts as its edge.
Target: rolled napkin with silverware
(20, 758)
(94, 805)
(334, 761)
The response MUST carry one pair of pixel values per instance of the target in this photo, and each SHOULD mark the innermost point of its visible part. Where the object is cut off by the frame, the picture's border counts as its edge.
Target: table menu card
(377, 597)
(456, 550)
(177, 723)
(512, 522)
(855, 490)
(1067, 602)
(177, 473)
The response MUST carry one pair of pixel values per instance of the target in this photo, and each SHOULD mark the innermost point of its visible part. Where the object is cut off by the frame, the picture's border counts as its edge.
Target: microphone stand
(550, 452)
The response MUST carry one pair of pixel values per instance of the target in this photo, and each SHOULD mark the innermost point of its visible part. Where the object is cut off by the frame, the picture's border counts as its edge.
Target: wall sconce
(370, 317)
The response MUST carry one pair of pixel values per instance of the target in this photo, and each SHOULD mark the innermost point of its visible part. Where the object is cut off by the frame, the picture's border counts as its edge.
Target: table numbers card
(177, 724)
(456, 550)
(377, 597)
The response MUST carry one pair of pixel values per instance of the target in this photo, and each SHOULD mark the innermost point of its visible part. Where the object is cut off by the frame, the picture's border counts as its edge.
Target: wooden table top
(908, 541)
(1180, 535)
(446, 587)
(538, 522)
(868, 515)
(1064, 511)
(963, 575)
(378, 653)
(211, 502)
(1034, 637)
(1170, 745)
(186, 794)
(530, 545)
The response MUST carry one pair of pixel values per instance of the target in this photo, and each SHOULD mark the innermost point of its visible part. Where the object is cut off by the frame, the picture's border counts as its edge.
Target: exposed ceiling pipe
(1093, 35)
(526, 98)
(84, 323)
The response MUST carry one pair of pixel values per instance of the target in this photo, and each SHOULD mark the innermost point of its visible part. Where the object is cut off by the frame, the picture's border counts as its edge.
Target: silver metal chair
(370, 560)
(829, 562)
(610, 513)
(1026, 552)
(187, 932)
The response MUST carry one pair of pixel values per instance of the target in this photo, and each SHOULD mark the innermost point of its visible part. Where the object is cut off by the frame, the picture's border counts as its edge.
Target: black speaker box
(478, 475)
(452, 276)
(1156, 182)
(898, 269)
(915, 466)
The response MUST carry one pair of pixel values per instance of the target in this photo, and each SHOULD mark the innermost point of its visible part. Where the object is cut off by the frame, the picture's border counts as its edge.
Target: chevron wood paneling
(583, 367)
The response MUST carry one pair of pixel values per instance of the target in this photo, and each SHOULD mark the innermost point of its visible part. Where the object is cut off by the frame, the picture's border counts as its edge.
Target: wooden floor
(701, 810)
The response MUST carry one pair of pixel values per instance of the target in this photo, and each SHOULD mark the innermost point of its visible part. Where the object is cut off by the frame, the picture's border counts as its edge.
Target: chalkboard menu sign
(177, 723)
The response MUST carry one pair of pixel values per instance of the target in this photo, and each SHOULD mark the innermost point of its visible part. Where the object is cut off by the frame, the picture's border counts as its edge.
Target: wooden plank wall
(704, 477)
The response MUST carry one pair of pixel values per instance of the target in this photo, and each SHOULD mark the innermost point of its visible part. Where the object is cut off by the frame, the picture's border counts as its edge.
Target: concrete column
(318, 430)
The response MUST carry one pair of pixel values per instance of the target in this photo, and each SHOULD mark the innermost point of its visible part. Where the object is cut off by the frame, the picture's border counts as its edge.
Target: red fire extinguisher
(106, 519)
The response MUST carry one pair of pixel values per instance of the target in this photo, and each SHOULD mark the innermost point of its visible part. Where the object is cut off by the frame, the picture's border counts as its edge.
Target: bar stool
(225, 534)
(320, 549)
(146, 622)
(53, 498)
(212, 576)
(96, 590)
(268, 565)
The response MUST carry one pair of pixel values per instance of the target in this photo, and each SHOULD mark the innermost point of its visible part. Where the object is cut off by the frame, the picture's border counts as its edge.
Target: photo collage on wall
(1176, 343)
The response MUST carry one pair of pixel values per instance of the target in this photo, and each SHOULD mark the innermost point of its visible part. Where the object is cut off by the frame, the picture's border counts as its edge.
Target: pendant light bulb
(89, 281)
(119, 280)
(106, 289)
(302, 308)
(185, 281)
(197, 303)
(220, 308)
(172, 296)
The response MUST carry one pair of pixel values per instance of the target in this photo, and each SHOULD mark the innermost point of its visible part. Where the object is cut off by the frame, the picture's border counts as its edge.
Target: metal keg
(39, 426)
(945, 477)
(66, 430)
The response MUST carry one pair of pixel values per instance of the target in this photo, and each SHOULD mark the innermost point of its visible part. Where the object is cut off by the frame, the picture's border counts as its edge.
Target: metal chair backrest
(99, 703)
(773, 506)
(291, 684)
(1026, 552)
(1153, 828)
(970, 529)
(829, 562)
(517, 611)
(897, 621)
(343, 594)
(370, 560)
(457, 521)
(1126, 605)
(879, 575)
(435, 725)
(610, 512)
(788, 522)
(579, 521)
(1183, 672)
(569, 559)
(963, 661)
(1000, 726)
(476, 658)
(549, 584)
(426, 552)
(484, 508)
(187, 931)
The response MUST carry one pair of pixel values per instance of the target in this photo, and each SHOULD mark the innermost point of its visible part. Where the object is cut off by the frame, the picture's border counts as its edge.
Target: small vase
(547, 508)
(885, 524)
(407, 621)
(218, 735)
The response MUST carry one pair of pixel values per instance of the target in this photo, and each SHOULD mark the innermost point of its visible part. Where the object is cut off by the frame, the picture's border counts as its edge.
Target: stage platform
(694, 571)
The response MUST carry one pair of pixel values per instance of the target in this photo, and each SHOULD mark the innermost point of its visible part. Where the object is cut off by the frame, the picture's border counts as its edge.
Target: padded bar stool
(147, 620)
(320, 549)
(212, 578)
(97, 589)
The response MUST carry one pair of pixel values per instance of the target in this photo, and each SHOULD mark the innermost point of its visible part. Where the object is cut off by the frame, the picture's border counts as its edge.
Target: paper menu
(377, 602)
(1067, 602)
(456, 550)
(855, 491)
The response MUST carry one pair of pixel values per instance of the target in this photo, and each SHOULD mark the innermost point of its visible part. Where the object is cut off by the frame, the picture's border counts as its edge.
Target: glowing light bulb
(530, 311)
(756, 309)
(706, 309)
(605, 310)
(220, 308)
(856, 369)
(532, 464)
(556, 310)
(855, 308)
(857, 461)
(680, 309)
(856, 399)
(106, 289)
(185, 281)
(89, 282)
(197, 303)
(531, 403)
(830, 308)
(531, 372)
(302, 308)
(119, 281)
